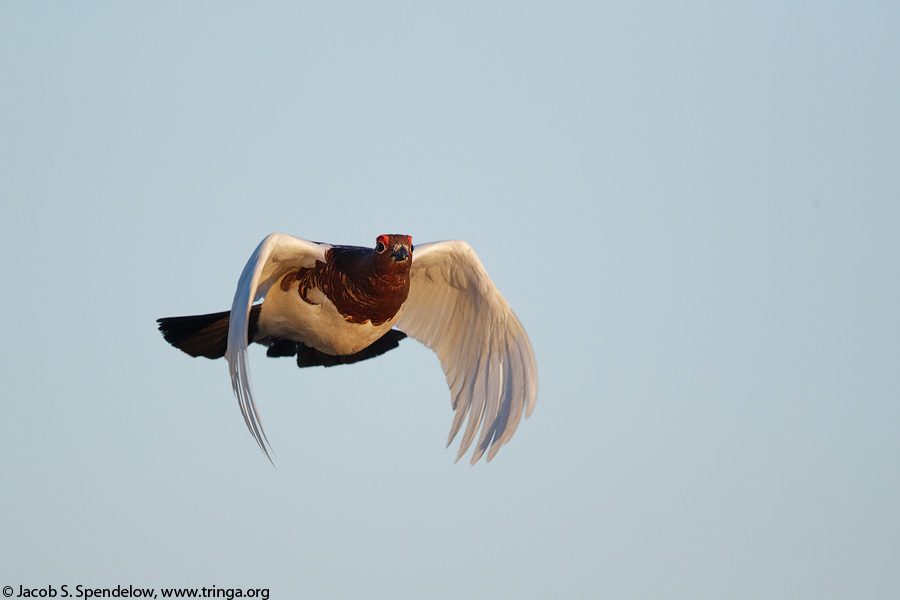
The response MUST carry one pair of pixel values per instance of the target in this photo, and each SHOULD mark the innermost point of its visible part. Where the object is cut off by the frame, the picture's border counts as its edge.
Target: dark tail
(310, 357)
(202, 335)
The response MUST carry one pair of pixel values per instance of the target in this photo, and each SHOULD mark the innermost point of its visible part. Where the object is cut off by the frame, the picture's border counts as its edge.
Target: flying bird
(331, 305)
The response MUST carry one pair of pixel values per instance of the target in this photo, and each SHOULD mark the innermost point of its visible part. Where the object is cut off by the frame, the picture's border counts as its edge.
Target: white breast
(320, 325)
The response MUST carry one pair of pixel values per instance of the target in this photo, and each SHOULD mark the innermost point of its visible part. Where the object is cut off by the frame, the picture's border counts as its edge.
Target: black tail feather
(202, 335)
(310, 357)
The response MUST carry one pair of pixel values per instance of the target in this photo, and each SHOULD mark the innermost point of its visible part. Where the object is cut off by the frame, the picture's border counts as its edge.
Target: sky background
(693, 207)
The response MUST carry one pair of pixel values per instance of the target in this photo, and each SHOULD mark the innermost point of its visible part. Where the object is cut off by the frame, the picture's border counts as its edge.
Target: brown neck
(362, 285)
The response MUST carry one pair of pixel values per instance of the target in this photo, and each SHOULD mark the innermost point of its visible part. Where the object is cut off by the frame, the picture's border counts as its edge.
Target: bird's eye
(379, 247)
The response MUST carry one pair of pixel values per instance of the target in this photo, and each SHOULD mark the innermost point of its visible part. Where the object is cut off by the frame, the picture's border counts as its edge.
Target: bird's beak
(400, 253)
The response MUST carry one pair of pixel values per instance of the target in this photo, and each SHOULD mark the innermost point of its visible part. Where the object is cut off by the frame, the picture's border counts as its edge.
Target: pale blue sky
(694, 208)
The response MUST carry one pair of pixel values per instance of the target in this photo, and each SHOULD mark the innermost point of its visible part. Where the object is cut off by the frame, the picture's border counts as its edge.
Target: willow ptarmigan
(333, 305)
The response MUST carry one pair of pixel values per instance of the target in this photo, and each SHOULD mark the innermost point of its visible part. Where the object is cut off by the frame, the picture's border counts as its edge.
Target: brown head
(394, 249)
(364, 285)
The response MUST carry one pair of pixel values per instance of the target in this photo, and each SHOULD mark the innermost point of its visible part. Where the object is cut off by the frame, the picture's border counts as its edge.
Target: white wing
(455, 309)
(275, 256)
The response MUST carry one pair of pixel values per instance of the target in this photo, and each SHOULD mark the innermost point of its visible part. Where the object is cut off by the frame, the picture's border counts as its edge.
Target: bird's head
(393, 248)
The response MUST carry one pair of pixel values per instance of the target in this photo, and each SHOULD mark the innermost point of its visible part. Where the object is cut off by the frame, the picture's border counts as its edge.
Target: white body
(286, 314)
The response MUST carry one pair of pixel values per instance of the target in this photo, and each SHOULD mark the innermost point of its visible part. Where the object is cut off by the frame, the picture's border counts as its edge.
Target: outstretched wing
(455, 309)
(275, 256)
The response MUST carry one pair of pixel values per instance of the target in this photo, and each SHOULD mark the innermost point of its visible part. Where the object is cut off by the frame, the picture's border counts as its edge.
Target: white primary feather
(276, 255)
(455, 309)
